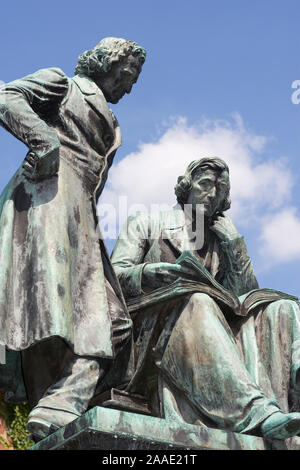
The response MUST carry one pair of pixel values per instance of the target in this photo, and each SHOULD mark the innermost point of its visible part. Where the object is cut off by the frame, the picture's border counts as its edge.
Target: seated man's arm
(128, 259)
(239, 275)
(129, 252)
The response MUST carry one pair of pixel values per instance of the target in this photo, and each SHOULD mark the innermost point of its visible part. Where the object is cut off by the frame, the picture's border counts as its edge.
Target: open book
(205, 283)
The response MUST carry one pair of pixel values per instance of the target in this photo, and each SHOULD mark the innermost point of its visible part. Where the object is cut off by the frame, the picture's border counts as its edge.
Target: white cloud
(258, 187)
(280, 236)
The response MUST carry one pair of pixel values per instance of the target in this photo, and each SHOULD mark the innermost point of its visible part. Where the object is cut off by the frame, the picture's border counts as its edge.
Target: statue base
(109, 429)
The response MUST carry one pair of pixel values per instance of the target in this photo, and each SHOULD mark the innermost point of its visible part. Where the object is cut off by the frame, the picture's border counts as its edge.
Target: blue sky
(217, 79)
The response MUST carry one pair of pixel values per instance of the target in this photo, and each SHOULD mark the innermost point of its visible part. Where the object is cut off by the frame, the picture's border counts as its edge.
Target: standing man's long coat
(53, 264)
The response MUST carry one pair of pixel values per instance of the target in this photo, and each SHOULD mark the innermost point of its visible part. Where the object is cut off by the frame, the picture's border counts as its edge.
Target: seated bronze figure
(196, 360)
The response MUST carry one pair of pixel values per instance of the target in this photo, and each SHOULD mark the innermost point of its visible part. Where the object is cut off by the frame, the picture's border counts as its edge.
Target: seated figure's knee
(200, 299)
(202, 312)
(201, 304)
(285, 308)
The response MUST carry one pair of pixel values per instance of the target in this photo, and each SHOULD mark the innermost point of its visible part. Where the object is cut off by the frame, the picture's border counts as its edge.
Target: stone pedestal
(108, 429)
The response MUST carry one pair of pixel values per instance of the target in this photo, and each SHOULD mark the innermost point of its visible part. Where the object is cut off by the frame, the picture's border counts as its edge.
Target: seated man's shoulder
(152, 224)
(164, 218)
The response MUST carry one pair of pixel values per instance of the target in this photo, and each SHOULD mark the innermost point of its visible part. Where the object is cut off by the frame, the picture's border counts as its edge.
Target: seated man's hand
(159, 274)
(224, 228)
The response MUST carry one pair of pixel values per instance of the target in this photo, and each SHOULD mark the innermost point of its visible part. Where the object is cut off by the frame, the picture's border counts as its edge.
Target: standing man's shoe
(44, 421)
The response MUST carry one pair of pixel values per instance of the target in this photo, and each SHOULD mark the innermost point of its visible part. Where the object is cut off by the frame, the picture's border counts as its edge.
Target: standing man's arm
(26, 105)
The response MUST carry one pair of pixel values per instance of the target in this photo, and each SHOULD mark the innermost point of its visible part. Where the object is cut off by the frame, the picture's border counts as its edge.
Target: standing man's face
(209, 188)
(120, 78)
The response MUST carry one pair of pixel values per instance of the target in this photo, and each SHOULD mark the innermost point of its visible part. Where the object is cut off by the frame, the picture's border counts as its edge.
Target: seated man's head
(206, 181)
(114, 65)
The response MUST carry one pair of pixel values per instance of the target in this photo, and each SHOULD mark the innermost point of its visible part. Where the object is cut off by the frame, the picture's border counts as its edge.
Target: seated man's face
(209, 188)
(120, 78)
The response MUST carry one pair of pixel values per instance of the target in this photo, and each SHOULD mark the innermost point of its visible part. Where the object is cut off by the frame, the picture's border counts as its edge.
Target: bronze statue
(211, 348)
(62, 313)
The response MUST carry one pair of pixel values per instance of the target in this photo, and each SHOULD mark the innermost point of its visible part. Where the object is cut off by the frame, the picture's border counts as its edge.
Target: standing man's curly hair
(99, 60)
(184, 182)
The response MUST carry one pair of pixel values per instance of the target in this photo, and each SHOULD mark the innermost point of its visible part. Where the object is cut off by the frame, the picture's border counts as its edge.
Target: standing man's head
(114, 65)
(206, 181)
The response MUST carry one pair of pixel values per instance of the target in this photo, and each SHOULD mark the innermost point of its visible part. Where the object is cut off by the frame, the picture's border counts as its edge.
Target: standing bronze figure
(63, 318)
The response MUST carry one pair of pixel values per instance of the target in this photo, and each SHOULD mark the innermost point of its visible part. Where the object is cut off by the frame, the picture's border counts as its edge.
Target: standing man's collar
(86, 85)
